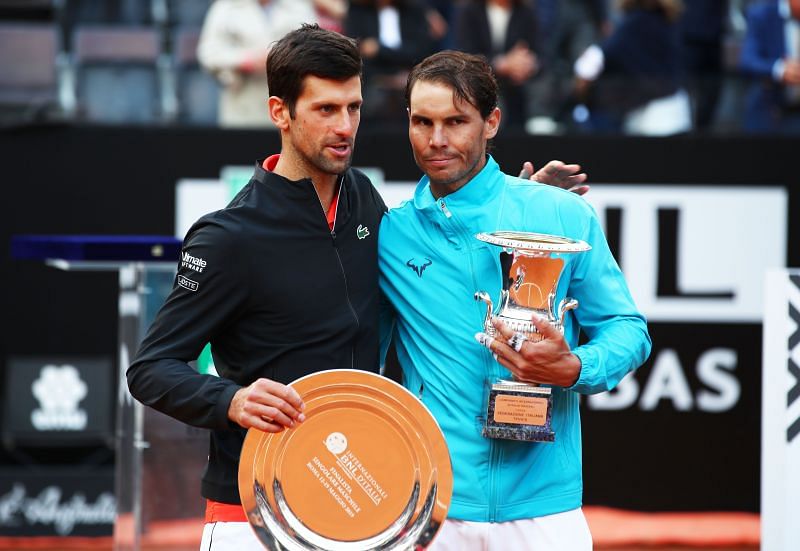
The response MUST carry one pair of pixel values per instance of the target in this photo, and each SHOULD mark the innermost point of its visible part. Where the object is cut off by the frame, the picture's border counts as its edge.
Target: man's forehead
(314, 88)
(434, 96)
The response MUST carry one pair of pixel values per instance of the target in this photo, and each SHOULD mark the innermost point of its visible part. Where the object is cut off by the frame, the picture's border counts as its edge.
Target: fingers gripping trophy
(532, 265)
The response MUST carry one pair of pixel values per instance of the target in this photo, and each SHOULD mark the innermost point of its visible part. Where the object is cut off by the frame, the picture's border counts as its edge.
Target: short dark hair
(470, 76)
(306, 51)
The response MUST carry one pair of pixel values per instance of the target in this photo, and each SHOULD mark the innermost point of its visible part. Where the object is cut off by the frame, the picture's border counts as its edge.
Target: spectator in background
(571, 26)
(503, 31)
(702, 31)
(633, 81)
(392, 35)
(771, 54)
(566, 29)
(331, 14)
(440, 17)
(233, 46)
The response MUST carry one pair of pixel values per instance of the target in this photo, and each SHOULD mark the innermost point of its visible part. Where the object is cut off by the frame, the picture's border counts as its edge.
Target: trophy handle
(487, 320)
(564, 306)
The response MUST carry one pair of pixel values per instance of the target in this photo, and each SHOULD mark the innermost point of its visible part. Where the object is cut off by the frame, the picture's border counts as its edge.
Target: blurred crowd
(638, 67)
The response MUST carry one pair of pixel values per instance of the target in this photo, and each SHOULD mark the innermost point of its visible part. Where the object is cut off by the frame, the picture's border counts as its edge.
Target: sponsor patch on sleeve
(187, 283)
(193, 262)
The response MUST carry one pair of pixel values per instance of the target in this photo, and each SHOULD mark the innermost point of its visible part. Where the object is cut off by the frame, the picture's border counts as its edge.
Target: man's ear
(492, 123)
(278, 112)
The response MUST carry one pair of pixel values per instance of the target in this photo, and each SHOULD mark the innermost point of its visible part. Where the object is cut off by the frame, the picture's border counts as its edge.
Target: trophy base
(519, 411)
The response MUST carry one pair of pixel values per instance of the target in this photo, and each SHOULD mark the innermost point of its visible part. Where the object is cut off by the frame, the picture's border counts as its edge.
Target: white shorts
(566, 531)
(229, 536)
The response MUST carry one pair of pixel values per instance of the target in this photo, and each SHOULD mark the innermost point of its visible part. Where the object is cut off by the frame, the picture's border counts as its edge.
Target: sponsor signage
(695, 260)
(695, 253)
(57, 401)
(682, 432)
(780, 435)
(56, 502)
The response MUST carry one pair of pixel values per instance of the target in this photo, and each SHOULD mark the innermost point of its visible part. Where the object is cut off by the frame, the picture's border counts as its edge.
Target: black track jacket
(276, 293)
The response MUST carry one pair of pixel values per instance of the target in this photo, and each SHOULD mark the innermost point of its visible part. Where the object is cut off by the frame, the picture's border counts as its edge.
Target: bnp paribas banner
(56, 502)
(682, 433)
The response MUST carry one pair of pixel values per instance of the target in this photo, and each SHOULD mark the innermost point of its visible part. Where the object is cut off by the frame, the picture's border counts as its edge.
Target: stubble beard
(462, 177)
(328, 166)
(318, 163)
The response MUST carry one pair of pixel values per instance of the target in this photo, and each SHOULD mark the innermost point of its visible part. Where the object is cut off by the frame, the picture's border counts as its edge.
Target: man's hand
(548, 361)
(267, 406)
(556, 173)
(437, 24)
(791, 72)
(368, 48)
(518, 64)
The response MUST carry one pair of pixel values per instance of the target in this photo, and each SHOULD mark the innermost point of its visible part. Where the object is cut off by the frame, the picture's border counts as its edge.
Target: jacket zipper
(347, 296)
(488, 368)
(341, 266)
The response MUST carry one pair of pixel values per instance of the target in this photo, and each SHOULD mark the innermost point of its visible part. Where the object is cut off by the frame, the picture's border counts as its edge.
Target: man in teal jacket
(507, 494)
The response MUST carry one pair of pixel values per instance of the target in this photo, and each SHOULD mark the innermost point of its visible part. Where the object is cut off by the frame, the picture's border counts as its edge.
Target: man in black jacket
(282, 282)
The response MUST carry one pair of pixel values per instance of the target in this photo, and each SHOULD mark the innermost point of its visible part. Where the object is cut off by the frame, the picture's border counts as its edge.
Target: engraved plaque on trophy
(532, 265)
(368, 469)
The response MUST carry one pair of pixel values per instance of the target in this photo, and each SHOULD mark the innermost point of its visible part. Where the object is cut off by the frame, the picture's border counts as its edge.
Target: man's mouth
(439, 161)
(340, 149)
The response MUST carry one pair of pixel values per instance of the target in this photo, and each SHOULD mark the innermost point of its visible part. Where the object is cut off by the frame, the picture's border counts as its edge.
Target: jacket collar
(303, 190)
(480, 190)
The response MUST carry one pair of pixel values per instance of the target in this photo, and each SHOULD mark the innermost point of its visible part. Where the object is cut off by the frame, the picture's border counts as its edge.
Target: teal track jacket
(431, 265)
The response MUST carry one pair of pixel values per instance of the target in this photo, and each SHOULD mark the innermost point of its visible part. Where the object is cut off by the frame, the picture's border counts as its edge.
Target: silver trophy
(532, 265)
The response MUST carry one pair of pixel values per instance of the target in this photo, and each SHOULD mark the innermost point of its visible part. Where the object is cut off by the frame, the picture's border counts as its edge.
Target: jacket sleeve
(753, 59)
(618, 338)
(210, 289)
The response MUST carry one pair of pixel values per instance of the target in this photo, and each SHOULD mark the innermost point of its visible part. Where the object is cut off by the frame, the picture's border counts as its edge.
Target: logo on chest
(419, 266)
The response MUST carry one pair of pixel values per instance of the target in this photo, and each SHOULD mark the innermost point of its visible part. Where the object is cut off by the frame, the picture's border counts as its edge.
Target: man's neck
(293, 169)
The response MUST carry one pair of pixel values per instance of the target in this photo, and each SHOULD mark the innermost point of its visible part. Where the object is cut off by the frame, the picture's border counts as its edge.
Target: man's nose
(438, 137)
(345, 125)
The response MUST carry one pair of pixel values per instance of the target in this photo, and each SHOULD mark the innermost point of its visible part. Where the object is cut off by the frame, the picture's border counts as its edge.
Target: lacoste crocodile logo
(362, 231)
(419, 268)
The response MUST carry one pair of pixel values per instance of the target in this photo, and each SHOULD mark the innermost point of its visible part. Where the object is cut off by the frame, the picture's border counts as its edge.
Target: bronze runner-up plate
(368, 469)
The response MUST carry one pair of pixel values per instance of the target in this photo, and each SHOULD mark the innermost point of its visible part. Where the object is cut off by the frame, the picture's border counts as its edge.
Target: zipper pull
(444, 208)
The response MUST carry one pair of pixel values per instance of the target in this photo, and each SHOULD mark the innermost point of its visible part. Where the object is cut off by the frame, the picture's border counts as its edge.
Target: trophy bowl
(368, 469)
(532, 265)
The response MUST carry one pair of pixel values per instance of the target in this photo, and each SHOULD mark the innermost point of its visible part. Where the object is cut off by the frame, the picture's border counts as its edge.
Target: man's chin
(335, 167)
(441, 178)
